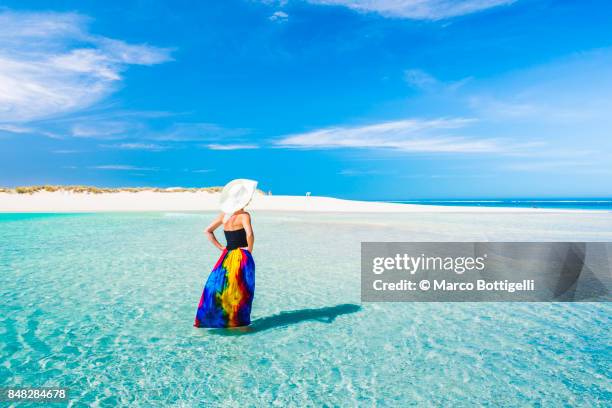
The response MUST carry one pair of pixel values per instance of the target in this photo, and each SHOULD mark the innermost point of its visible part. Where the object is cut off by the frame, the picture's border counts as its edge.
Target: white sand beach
(69, 201)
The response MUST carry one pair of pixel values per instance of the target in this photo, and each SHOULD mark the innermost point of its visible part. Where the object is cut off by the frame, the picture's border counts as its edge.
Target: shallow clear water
(104, 304)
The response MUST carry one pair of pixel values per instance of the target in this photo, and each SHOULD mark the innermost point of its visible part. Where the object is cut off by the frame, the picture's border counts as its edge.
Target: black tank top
(235, 239)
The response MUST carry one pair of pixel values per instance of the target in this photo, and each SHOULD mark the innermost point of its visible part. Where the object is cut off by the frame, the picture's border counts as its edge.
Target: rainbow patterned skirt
(228, 294)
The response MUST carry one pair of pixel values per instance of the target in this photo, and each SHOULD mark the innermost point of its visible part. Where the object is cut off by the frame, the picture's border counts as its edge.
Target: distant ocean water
(569, 203)
(104, 304)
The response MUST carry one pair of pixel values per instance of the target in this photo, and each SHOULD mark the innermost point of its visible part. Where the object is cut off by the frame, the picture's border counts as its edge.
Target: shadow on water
(284, 319)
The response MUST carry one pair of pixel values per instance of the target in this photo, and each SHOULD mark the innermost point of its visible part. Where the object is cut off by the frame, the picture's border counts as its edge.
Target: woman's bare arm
(210, 232)
(248, 228)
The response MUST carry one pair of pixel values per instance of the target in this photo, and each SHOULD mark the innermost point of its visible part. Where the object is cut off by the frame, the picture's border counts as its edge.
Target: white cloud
(417, 9)
(51, 65)
(65, 151)
(196, 131)
(279, 16)
(411, 135)
(356, 172)
(101, 129)
(424, 81)
(236, 146)
(445, 176)
(419, 78)
(152, 147)
(14, 128)
(123, 167)
(552, 165)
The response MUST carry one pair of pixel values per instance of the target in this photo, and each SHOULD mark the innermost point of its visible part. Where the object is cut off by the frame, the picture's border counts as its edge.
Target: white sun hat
(236, 195)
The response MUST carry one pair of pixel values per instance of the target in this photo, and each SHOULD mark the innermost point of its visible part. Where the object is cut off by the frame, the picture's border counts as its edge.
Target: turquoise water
(104, 304)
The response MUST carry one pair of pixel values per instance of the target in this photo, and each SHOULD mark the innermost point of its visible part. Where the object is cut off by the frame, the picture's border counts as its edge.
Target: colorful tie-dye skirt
(228, 294)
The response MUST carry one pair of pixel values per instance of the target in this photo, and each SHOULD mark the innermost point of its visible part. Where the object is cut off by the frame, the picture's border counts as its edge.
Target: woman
(228, 294)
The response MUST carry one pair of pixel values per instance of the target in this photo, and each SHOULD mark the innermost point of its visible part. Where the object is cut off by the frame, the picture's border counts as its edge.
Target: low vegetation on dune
(100, 190)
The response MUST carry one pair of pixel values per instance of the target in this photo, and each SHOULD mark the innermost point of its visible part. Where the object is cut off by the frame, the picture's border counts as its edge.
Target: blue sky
(386, 99)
